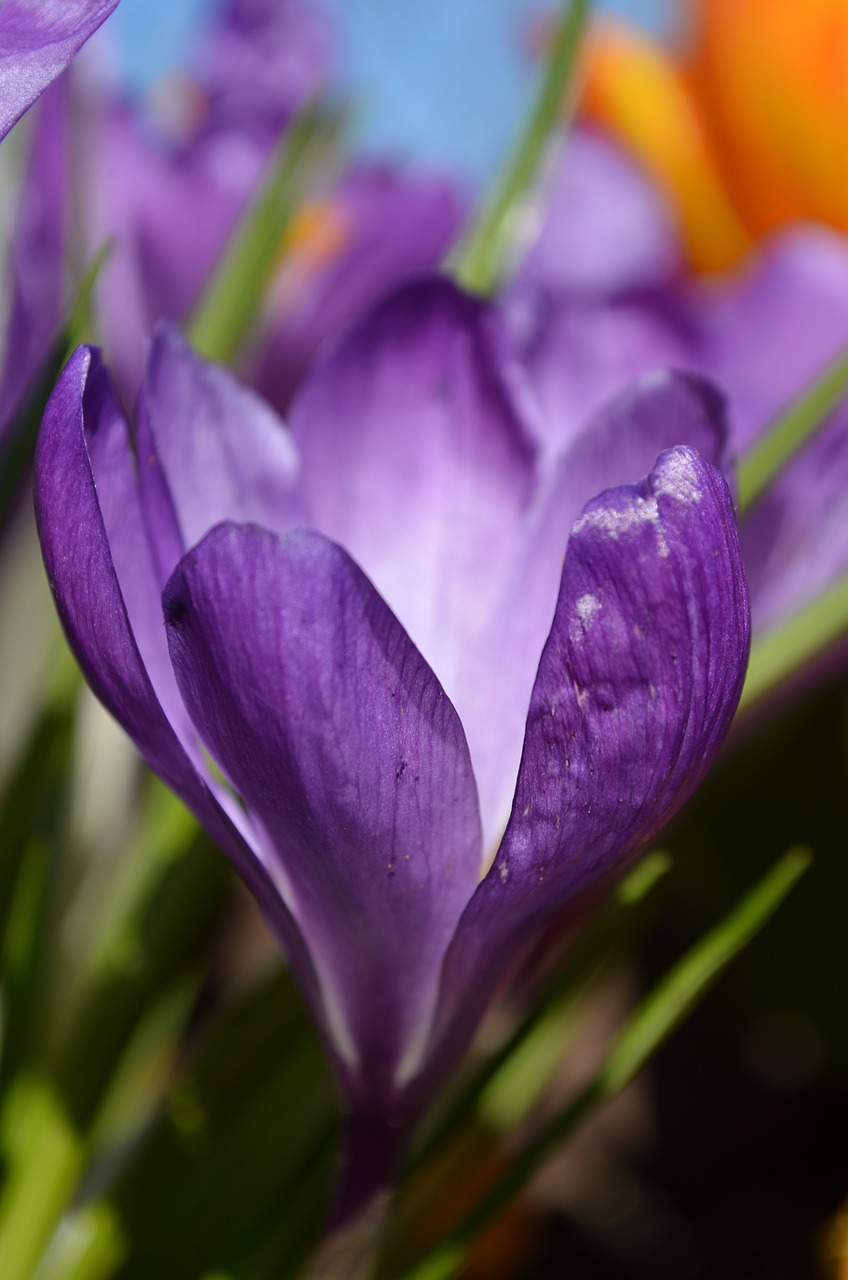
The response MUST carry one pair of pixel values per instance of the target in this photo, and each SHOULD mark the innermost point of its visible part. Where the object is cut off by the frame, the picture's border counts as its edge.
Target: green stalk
(612, 928)
(647, 1028)
(482, 256)
(230, 306)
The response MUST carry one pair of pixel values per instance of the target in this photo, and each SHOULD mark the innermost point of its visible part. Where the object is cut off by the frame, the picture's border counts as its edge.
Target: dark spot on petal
(176, 610)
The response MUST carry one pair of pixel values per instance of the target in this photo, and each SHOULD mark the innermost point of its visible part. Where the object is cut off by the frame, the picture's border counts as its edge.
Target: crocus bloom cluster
(366, 615)
(745, 130)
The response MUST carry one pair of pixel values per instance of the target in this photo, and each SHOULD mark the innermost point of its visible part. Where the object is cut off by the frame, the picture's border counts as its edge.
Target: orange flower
(746, 134)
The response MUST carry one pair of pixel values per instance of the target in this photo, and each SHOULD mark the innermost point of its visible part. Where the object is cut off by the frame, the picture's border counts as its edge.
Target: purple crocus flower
(761, 333)
(366, 617)
(38, 38)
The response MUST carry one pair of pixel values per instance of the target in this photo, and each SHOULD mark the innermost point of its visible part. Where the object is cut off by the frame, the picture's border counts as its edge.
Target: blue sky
(443, 83)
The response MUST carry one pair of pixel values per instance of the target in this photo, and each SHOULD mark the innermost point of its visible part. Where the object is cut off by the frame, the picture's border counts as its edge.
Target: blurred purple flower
(168, 192)
(36, 256)
(601, 299)
(37, 41)
(38, 38)
(379, 803)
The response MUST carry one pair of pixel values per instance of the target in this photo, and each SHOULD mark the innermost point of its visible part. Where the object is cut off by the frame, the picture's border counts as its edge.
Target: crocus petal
(381, 227)
(621, 441)
(795, 538)
(72, 524)
(209, 450)
(338, 736)
(580, 354)
(260, 61)
(86, 498)
(144, 195)
(636, 689)
(416, 452)
(37, 41)
(37, 255)
(605, 228)
(768, 332)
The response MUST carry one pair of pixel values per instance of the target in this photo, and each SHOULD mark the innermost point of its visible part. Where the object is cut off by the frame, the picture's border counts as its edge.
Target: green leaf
(786, 649)
(234, 1176)
(791, 430)
(481, 257)
(643, 1033)
(678, 993)
(44, 1157)
(611, 929)
(230, 306)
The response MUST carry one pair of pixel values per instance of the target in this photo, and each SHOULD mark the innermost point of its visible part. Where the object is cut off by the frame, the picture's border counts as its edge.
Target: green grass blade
(791, 430)
(644, 1032)
(612, 928)
(229, 307)
(481, 257)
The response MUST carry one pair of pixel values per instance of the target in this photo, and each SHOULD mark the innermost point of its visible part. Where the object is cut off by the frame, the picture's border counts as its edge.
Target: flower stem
(482, 256)
(662, 1010)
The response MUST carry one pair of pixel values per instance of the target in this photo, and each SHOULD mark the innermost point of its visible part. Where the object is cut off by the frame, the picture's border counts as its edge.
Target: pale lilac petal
(389, 226)
(580, 354)
(795, 538)
(636, 689)
(605, 228)
(261, 61)
(334, 730)
(83, 436)
(620, 442)
(167, 214)
(209, 450)
(768, 332)
(417, 458)
(38, 38)
(37, 253)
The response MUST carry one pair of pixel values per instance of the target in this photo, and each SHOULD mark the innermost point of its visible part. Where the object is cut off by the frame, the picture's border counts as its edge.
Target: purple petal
(416, 457)
(636, 689)
(620, 442)
(767, 333)
(580, 354)
(83, 435)
(209, 450)
(389, 226)
(606, 228)
(37, 41)
(260, 62)
(340, 739)
(37, 255)
(167, 213)
(795, 538)
(98, 561)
